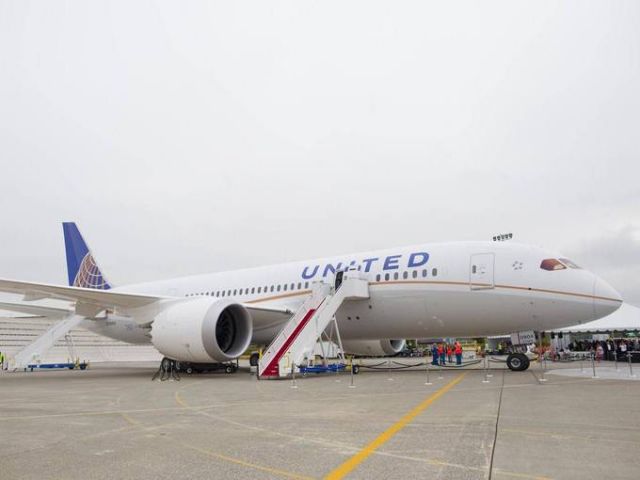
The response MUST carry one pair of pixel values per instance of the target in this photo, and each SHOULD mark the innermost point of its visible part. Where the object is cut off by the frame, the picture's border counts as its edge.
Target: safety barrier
(402, 366)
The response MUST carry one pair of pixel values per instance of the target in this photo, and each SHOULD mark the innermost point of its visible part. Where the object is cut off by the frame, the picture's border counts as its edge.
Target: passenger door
(481, 269)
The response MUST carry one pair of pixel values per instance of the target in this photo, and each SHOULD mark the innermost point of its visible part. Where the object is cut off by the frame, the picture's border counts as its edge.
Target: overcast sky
(189, 137)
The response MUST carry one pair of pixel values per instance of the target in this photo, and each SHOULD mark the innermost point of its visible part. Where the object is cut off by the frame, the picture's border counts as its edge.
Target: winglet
(82, 269)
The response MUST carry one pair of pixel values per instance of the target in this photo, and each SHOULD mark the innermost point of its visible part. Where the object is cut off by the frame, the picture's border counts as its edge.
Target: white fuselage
(460, 289)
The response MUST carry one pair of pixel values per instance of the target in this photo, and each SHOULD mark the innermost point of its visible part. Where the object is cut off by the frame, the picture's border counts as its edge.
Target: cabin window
(306, 284)
(271, 289)
(434, 272)
(405, 275)
(386, 277)
(414, 274)
(424, 272)
(395, 276)
(285, 287)
(377, 277)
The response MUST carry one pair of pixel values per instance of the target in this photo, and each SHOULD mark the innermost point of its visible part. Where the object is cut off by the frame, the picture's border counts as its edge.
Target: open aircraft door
(481, 271)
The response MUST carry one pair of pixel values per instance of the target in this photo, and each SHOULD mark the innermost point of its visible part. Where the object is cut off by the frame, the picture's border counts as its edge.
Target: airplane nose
(606, 299)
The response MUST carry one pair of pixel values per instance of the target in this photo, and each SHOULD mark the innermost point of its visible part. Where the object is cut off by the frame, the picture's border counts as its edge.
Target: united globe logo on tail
(89, 275)
(82, 269)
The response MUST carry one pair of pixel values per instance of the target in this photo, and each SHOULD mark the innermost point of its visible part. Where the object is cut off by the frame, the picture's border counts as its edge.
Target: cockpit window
(552, 264)
(569, 263)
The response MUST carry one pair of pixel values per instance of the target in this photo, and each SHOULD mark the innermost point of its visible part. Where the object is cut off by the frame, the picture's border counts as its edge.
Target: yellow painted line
(388, 434)
(561, 436)
(129, 420)
(237, 461)
(505, 473)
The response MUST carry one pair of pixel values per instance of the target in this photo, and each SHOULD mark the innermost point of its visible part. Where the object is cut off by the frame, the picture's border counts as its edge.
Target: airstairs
(44, 342)
(297, 340)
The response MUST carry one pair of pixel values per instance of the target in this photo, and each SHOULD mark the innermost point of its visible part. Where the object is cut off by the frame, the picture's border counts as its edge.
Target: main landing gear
(168, 370)
(517, 362)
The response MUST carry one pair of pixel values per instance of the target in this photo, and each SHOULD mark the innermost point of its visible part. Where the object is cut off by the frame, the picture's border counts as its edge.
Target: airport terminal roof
(626, 318)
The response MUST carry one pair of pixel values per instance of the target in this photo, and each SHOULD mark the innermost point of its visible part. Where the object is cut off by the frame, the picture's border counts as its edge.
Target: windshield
(552, 264)
(569, 263)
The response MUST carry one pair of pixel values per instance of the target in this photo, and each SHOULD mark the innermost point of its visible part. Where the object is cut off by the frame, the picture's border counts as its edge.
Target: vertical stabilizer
(82, 268)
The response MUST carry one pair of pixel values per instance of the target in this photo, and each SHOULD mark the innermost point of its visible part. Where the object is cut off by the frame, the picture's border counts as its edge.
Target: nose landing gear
(517, 362)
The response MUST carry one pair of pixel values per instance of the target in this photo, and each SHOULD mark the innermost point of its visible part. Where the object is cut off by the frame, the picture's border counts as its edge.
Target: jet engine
(374, 348)
(202, 330)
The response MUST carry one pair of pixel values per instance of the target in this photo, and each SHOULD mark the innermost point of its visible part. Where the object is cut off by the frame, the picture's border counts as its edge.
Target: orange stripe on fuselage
(444, 282)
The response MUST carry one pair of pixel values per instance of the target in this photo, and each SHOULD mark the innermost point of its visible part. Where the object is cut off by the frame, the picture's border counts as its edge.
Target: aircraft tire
(517, 362)
(166, 363)
(254, 359)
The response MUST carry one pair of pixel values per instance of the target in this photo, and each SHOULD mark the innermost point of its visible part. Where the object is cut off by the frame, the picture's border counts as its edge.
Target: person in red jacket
(458, 352)
(449, 353)
(441, 354)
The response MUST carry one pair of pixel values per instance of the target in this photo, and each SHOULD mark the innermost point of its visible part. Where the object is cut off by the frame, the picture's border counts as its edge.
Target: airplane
(434, 290)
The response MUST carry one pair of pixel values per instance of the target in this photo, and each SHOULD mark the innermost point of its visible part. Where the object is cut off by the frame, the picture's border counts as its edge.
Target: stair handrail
(318, 292)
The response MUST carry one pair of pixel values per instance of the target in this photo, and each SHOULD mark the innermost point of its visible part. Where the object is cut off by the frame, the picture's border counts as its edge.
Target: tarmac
(112, 421)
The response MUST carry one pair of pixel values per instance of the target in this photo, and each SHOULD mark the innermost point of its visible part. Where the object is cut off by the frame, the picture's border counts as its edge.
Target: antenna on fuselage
(503, 237)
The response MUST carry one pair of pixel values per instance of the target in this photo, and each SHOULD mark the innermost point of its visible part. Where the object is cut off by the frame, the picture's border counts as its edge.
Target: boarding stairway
(297, 340)
(44, 342)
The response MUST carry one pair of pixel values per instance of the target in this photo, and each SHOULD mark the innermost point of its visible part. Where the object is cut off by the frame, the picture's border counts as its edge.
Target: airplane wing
(90, 301)
(40, 311)
(105, 298)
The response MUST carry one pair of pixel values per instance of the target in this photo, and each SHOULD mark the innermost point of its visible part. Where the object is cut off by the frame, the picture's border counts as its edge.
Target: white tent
(626, 318)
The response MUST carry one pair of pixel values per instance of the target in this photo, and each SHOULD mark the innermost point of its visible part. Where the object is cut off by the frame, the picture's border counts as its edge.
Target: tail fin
(82, 269)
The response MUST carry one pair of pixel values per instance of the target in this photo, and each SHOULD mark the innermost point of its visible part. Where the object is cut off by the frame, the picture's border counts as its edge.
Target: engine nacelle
(374, 348)
(202, 330)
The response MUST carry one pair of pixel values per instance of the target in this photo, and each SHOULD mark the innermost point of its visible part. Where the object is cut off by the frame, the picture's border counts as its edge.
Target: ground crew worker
(441, 354)
(434, 354)
(449, 353)
(458, 352)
